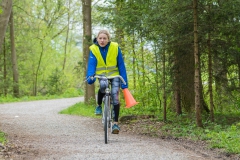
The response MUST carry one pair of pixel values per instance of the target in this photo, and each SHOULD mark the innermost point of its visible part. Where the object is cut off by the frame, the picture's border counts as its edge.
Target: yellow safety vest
(110, 67)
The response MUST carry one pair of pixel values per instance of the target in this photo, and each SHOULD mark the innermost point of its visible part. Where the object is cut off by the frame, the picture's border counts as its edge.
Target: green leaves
(40, 39)
(228, 139)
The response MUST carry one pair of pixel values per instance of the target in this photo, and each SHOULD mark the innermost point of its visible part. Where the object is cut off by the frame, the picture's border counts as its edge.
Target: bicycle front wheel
(106, 118)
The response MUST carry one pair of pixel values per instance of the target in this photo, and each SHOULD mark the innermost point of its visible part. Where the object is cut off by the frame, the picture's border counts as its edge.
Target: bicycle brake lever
(92, 77)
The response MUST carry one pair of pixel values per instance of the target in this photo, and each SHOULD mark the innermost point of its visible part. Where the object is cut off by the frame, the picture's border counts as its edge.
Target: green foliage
(165, 27)
(40, 40)
(228, 102)
(2, 138)
(224, 133)
(72, 92)
(228, 139)
(55, 82)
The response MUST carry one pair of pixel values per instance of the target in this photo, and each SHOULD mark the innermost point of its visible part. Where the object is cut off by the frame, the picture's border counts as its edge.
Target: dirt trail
(37, 132)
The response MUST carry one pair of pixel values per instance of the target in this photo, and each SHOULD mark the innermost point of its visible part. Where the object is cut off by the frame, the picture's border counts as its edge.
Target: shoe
(115, 129)
(98, 110)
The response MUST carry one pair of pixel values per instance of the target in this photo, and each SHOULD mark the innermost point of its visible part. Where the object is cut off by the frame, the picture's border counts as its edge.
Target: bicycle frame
(107, 117)
(107, 114)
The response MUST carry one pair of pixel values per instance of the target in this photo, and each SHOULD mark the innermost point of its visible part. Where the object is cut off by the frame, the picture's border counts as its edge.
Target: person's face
(102, 39)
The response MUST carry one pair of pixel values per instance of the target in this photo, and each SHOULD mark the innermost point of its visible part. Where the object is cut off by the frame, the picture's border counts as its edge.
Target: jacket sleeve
(91, 69)
(122, 69)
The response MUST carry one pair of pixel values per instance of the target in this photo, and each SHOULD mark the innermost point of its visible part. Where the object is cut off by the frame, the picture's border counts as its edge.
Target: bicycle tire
(106, 118)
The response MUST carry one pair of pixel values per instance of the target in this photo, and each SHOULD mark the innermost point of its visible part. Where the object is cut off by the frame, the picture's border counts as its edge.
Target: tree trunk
(66, 40)
(5, 69)
(142, 70)
(6, 6)
(210, 79)
(239, 73)
(14, 59)
(89, 94)
(164, 88)
(134, 62)
(119, 31)
(177, 80)
(197, 67)
(38, 68)
(142, 60)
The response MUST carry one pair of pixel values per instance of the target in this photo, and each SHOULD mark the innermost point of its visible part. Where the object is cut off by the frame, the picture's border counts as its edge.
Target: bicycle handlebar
(110, 77)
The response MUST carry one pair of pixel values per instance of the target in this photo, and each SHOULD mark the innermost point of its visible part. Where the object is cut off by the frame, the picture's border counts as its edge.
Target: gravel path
(39, 133)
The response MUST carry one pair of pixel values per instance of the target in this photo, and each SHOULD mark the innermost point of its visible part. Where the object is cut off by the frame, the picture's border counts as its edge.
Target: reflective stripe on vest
(110, 67)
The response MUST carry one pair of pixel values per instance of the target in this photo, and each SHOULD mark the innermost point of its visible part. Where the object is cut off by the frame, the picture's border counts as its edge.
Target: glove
(90, 80)
(123, 86)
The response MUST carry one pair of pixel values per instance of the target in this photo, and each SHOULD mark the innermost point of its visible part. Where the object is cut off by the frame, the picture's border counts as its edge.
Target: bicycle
(107, 116)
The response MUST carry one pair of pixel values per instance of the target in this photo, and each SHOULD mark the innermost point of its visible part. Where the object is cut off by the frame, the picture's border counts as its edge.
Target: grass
(26, 98)
(31, 98)
(80, 109)
(223, 133)
(2, 138)
(228, 139)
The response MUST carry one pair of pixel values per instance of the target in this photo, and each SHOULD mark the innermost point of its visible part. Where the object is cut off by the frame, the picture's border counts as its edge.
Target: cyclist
(106, 59)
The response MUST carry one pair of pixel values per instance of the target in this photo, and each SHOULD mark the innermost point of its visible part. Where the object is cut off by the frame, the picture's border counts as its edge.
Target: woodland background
(182, 57)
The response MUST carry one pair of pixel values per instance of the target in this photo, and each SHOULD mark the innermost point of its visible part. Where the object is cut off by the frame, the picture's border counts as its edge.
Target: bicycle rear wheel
(106, 118)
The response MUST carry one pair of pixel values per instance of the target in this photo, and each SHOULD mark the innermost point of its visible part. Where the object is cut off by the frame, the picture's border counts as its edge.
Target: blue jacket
(92, 64)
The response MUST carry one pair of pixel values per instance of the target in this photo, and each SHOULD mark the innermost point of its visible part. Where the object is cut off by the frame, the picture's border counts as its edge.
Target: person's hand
(123, 86)
(91, 80)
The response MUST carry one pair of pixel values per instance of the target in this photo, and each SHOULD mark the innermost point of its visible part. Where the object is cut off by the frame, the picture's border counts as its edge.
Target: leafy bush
(228, 139)
(224, 133)
(72, 92)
